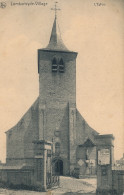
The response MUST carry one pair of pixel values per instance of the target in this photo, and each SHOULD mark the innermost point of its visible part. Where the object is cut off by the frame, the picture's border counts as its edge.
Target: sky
(95, 32)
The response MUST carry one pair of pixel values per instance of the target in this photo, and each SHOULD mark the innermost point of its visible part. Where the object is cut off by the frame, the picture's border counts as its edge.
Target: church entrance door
(58, 167)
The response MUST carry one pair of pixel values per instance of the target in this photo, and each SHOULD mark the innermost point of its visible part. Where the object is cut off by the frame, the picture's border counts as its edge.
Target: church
(54, 117)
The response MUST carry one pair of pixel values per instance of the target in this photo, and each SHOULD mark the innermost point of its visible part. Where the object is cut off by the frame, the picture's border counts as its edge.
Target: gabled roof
(85, 124)
(88, 143)
(33, 107)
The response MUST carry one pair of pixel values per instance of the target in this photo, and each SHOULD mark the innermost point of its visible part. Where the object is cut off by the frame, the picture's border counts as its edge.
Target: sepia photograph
(62, 97)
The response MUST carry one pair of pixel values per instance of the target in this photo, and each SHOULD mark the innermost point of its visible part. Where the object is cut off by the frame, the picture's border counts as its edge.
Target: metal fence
(52, 181)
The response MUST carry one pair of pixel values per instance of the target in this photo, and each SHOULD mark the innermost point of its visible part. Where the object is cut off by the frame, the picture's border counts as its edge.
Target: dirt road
(68, 186)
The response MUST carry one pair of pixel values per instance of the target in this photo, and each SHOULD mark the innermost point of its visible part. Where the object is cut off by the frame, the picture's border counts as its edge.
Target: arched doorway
(58, 167)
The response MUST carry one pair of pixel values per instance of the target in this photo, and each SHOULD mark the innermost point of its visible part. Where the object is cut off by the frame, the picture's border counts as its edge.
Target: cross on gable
(55, 8)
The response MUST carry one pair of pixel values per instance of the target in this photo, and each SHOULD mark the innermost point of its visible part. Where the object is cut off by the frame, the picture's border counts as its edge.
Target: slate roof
(55, 42)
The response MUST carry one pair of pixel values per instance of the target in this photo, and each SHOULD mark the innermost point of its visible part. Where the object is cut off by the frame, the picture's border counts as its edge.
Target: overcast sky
(95, 32)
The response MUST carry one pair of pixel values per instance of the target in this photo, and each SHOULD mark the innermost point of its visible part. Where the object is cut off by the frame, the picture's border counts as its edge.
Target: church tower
(57, 95)
(57, 70)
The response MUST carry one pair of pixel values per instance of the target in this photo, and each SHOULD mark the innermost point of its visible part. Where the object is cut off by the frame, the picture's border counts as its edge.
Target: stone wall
(118, 181)
(56, 85)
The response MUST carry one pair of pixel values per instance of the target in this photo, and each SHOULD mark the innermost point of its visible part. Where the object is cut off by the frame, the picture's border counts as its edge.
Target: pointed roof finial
(55, 9)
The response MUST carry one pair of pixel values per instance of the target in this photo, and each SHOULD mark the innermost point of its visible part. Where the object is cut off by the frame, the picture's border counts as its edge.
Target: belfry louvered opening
(61, 66)
(54, 65)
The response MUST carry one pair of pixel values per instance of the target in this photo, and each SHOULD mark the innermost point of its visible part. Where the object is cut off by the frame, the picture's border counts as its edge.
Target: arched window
(57, 148)
(61, 66)
(61, 62)
(54, 61)
(54, 65)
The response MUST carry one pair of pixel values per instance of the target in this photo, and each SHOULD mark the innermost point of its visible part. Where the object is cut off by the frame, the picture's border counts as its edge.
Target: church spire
(55, 42)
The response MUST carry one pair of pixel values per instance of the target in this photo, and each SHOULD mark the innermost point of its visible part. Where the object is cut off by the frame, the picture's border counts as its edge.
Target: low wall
(17, 178)
(118, 181)
(20, 179)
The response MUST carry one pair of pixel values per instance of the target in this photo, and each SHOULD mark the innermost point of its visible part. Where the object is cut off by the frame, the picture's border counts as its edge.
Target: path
(68, 186)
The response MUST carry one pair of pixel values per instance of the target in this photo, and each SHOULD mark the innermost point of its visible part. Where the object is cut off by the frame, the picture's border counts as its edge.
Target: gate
(52, 181)
(52, 177)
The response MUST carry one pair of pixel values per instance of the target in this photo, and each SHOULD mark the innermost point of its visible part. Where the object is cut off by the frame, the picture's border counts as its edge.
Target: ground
(68, 186)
